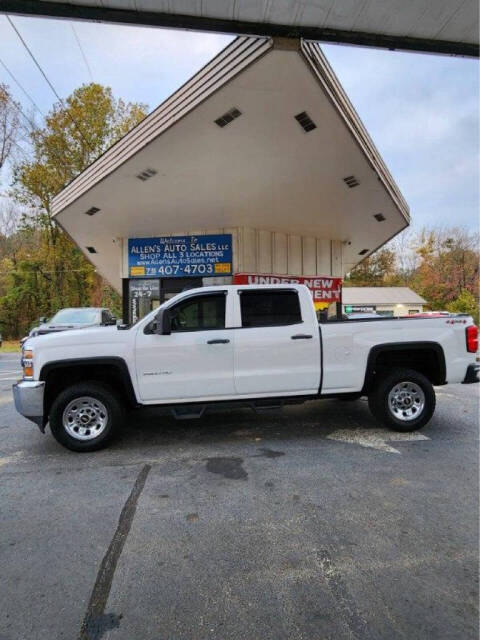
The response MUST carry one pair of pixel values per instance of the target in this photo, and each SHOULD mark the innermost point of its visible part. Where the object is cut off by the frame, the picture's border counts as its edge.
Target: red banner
(324, 288)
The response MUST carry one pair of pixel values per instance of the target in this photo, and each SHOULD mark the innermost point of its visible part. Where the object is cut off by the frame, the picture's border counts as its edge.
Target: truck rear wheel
(404, 400)
(85, 416)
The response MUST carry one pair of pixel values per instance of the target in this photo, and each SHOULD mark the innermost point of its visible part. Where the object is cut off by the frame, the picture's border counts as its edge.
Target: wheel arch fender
(112, 371)
(427, 357)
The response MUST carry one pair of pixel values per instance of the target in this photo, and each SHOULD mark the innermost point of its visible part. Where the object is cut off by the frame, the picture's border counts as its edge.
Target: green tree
(465, 303)
(53, 273)
(449, 264)
(373, 271)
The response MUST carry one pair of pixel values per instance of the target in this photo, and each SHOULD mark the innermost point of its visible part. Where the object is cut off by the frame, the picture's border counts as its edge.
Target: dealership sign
(355, 308)
(323, 288)
(180, 256)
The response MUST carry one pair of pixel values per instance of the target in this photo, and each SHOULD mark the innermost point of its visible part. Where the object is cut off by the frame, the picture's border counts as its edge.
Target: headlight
(27, 364)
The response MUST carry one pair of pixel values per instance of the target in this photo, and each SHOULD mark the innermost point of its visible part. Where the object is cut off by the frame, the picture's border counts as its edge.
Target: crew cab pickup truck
(221, 346)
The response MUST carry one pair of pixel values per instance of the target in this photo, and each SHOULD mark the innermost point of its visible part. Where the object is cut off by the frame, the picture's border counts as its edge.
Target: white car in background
(73, 318)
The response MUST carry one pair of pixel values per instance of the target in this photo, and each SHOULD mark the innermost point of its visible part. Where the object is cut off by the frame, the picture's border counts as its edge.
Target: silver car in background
(73, 318)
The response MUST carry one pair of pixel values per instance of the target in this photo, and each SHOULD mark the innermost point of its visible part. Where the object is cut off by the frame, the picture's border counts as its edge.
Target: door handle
(218, 341)
(301, 336)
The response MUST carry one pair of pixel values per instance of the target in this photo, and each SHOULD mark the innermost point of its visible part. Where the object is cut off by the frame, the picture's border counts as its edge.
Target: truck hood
(84, 336)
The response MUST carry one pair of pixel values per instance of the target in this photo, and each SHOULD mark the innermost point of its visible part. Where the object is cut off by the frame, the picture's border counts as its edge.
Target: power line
(19, 108)
(34, 59)
(20, 86)
(82, 52)
(21, 149)
(75, 123)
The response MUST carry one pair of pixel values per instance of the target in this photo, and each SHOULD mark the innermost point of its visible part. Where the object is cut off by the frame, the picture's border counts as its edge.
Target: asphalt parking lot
(309, 524)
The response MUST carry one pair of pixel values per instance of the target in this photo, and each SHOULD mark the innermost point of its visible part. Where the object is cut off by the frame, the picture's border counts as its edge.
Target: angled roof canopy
(263, 136)
(438, 26)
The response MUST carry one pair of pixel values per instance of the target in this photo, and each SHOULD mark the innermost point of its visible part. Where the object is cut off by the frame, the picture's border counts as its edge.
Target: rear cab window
(269, 308)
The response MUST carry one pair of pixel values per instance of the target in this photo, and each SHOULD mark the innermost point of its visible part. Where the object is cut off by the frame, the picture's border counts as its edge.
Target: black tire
(378, 400)
(111, 418)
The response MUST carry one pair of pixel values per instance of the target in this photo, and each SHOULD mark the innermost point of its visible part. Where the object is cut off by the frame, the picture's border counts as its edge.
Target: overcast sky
(421, 110)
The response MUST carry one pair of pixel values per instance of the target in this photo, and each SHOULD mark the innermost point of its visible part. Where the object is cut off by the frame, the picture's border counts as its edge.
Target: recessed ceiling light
(379, 217)
(92, 211)
(91, 250)
(305, 121)
(363, 252)
(228, 117)
(146, 174)
(351, 181)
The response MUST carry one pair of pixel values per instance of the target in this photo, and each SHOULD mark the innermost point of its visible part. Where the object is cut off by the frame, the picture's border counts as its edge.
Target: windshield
(74, 316)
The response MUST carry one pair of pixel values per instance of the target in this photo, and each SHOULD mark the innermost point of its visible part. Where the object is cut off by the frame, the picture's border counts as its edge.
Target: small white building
(386, 301)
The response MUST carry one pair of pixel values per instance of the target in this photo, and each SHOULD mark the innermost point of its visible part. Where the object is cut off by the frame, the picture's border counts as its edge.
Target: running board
(264, 407)
(187, 413)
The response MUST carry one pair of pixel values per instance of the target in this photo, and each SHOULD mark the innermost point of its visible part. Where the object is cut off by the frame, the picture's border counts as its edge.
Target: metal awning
(263, 136)
(437, 26)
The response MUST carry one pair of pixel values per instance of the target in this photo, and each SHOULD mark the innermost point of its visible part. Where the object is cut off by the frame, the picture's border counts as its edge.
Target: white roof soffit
(436, 26)
(262, 170)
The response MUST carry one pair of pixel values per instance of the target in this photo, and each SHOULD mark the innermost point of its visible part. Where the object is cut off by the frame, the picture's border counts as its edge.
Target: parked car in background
(73, 318)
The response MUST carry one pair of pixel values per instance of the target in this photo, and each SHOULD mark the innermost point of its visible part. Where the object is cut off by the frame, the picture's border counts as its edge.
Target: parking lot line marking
(375, 438)
(11, 458)
(445, 394)
(343, 598)
(94, 621)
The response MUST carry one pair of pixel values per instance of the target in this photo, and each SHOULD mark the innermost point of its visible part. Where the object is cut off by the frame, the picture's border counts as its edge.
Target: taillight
(472, 338)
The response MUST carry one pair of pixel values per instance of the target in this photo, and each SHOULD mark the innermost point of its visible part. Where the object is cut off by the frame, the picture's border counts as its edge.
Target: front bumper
(473, 373)
(28, 396)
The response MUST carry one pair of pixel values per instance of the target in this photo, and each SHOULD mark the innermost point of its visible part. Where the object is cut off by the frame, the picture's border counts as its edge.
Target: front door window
(201, 313)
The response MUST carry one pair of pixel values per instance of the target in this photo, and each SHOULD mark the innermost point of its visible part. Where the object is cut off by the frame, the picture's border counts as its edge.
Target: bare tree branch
(9, 124)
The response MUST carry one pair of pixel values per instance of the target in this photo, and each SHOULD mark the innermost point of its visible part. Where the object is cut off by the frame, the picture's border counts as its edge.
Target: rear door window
(269, 308)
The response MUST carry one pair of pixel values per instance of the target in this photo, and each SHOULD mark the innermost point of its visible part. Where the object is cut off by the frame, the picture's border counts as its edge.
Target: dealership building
(258, 165)
(384, 301)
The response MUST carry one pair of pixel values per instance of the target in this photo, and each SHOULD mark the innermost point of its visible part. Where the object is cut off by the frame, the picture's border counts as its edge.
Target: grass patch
(10, 346)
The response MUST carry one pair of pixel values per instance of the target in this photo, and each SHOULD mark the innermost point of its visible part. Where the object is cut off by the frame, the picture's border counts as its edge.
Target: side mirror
(42, 320)
(162, 324)
(112, 321)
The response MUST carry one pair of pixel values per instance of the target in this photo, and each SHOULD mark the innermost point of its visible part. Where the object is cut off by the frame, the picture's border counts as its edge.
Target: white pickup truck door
(277, 350)
(195, 361)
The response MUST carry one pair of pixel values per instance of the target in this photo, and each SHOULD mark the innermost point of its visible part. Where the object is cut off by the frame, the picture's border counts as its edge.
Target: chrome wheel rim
(85, 418)
(406, 401)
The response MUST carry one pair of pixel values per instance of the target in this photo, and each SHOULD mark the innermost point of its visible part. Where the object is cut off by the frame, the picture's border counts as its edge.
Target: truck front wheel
(404, 400)
(85, 416)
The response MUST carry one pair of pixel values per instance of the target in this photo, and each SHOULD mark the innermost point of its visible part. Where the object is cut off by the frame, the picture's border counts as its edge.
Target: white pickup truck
(260, 346)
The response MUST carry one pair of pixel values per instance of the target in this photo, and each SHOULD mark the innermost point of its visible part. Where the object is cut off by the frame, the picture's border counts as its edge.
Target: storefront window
(144, 296)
